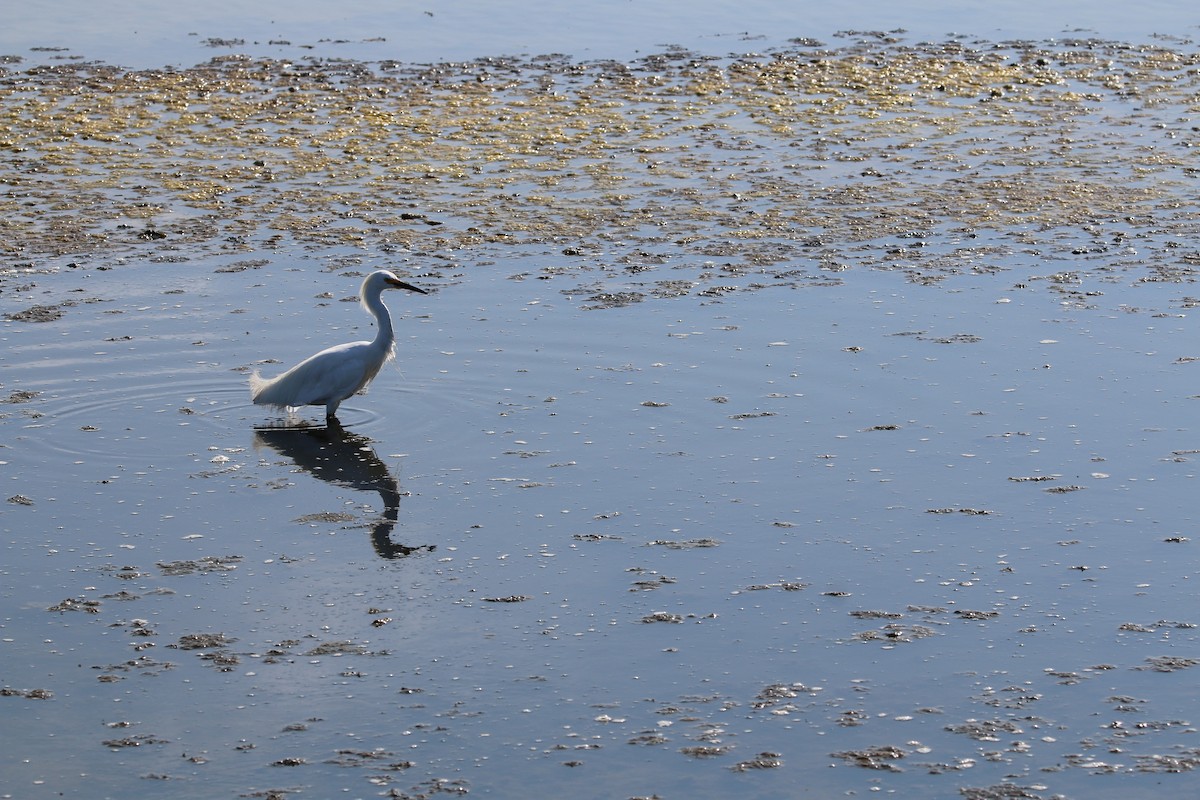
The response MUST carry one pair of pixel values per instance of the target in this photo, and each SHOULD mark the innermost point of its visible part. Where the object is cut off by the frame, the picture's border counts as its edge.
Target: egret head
(390, 281)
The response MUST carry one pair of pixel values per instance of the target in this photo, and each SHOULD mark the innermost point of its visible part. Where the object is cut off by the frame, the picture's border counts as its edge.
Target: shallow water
(721, 460)
(140, 35)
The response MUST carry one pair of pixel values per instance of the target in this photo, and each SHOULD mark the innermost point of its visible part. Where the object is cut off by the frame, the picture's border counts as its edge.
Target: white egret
(332, 375)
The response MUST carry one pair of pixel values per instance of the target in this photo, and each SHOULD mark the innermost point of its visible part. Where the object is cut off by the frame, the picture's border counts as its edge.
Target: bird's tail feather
(260, 389)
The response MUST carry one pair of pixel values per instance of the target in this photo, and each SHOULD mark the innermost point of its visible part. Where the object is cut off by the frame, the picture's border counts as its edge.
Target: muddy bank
(679, 173)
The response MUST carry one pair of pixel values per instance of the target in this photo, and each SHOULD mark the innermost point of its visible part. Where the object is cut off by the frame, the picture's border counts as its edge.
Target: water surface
(807, 421)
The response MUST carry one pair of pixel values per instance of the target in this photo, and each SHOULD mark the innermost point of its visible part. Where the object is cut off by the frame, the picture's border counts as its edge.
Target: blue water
(141, 34)
(530, 448)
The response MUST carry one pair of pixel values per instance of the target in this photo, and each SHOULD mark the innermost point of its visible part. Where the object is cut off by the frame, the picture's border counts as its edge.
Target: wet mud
(709, 171)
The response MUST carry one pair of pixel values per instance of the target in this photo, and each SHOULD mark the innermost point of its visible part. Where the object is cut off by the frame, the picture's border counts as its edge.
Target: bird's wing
(332, 374)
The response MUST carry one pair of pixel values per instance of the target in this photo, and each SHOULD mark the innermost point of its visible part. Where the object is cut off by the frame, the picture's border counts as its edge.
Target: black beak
(409, 286)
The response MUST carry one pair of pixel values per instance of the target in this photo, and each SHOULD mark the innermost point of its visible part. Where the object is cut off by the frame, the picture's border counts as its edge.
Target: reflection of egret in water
(346, 459)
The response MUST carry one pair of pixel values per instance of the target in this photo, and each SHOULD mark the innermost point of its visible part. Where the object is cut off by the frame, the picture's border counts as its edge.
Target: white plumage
(332, 375)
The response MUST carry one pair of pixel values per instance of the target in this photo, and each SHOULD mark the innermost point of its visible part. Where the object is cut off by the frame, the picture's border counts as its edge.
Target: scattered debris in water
(880, 757)
(76, 604)
(1169, 663)
(134, 741)
(31, 694)
(200, 565)
(36, 314)
(202, 641)
(689, 544)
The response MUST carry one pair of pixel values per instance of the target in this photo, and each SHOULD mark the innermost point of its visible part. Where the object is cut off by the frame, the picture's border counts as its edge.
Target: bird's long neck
(384, 337)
